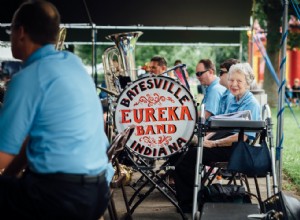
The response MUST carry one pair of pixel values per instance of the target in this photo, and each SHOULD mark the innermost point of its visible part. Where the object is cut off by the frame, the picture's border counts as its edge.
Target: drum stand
(155, 179)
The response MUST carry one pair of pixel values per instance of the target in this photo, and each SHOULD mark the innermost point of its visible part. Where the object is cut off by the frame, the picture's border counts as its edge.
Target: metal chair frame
(237, 126)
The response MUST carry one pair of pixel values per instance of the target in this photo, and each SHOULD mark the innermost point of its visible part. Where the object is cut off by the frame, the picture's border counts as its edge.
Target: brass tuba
(123, 52)
(61, 38)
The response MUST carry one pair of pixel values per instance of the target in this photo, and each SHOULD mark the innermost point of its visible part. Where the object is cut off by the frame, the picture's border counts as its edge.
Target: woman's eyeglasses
(222, 72)
(201, 73)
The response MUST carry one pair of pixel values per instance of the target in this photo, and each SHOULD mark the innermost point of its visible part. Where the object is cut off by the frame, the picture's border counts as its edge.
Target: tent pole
(94, 36)
(281, 95)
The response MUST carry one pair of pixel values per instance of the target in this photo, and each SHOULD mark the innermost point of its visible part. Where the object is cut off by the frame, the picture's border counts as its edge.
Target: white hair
(243, 68)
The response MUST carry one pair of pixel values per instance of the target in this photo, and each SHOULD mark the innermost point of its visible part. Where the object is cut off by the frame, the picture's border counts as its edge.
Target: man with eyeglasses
(205, 72)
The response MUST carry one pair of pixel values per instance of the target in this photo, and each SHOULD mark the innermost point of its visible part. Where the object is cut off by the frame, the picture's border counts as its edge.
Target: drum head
(163, 112)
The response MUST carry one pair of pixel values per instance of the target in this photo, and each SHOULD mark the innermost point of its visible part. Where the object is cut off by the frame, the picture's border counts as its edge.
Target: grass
(291, 146)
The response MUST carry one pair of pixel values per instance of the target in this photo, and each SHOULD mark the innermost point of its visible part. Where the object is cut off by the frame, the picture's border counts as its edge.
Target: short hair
(40, 19)
(160, 60)
(208, 64)
(245, 69)
(177, 62)
(228, 63)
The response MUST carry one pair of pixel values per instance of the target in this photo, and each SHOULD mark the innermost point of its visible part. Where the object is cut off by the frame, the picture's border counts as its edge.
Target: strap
(241, 135)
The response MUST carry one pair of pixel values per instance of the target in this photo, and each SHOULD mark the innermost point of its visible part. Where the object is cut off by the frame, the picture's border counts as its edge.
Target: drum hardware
(182, 68)
(108, 91)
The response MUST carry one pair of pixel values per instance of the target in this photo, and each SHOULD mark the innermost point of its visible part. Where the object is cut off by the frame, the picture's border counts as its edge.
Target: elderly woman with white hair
(218, 148)
(240, 78)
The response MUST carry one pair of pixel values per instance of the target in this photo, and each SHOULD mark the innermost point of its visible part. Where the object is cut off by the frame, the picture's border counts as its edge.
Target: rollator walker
(231, 210)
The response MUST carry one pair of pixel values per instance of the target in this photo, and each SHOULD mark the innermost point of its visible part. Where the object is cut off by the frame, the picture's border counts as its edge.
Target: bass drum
(164, 114)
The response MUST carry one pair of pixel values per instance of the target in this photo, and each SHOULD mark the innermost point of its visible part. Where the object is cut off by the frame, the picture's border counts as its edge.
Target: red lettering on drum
(149, 130)
(161, 112)
(149, 113)
(125, 114)
(139, 130)
(138, 115)
(160, 129)
(171, 129)
(185, 112)
(172, 116)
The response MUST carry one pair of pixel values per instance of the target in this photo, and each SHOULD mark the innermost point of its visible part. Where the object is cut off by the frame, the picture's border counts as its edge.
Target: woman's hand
(209, 143)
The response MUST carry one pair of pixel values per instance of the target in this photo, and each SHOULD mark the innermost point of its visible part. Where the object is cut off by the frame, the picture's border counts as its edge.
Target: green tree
(269, 15)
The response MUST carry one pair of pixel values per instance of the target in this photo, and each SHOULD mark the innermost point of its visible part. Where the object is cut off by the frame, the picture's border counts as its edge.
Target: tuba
(61, 38)
(123, 53)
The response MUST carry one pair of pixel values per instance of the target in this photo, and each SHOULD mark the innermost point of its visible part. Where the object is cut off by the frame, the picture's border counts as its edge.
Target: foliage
(293, 40)
(190, 55)
(291, 144)
(269, 13)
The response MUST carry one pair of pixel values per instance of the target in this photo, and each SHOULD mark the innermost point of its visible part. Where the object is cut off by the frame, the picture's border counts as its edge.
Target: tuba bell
(123, 53)
(61, 38)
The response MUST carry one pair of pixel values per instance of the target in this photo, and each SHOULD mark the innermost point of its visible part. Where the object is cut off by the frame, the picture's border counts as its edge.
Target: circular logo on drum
(163, 112)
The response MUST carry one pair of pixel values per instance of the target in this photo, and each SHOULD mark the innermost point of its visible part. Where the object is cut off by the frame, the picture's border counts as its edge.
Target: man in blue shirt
(205, 72)
(223, 74)
(53, 104)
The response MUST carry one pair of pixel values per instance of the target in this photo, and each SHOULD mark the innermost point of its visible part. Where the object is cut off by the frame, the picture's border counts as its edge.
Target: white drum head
(163, 112)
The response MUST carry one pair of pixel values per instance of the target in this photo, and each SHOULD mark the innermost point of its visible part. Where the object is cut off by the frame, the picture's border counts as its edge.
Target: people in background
(223, 74)
(206, 74)
(51, 126)
(158, 65)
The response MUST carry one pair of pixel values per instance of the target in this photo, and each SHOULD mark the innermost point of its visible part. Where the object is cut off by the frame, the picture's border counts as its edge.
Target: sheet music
(240, 115)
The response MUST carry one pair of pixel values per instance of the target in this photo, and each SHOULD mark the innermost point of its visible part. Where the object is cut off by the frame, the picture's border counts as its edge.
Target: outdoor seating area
(119, 111)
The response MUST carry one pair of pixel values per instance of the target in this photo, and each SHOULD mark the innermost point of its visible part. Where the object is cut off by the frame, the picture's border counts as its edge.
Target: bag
(250, 160)
(283, 206)
(223, 193)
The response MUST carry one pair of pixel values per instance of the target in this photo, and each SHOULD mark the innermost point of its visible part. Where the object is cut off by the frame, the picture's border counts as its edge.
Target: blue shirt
(53, 100)
(247, 102)
(212, 96)
(224, 101)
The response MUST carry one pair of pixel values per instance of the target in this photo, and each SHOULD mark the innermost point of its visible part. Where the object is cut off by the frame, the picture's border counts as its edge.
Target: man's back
(64, 113)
